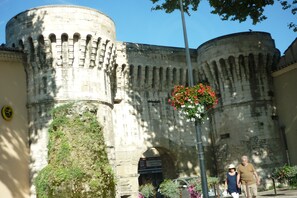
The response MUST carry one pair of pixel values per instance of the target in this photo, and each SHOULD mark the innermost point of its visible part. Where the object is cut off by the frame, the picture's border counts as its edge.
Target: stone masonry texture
(72, 55)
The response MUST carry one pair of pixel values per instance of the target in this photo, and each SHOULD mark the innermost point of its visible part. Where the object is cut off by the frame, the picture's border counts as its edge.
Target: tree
(230, 9)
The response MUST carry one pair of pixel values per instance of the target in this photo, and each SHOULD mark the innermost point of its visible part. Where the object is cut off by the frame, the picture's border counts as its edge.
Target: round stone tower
(239, 67)
(70, 54)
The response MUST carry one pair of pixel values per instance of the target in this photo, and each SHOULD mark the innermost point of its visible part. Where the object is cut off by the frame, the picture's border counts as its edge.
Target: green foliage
(147, 190)
(77, 160)
(212, 182)
(230, 9)
(286, 174)
(240, 10)
(169, 189)
(171, 5)
(196, 184)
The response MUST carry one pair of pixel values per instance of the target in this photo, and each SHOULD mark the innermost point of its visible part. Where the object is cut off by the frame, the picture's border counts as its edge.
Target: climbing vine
(77, 160)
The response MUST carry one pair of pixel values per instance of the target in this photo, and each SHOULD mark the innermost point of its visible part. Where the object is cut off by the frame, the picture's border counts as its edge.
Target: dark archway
(155, 165)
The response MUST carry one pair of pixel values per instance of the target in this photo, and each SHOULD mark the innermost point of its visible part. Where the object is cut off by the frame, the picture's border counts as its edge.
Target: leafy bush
(286, 174)
(212, 182)
(77, 160)
(147, 190)
(169, 189)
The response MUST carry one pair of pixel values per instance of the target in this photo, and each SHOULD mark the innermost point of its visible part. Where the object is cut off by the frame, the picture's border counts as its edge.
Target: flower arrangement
(193, 102)
(194, 188)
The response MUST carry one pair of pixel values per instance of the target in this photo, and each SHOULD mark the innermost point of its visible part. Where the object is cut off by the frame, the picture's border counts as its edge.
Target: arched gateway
(154, 165)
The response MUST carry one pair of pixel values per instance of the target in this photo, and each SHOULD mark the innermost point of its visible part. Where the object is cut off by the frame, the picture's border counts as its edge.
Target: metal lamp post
(197, 123)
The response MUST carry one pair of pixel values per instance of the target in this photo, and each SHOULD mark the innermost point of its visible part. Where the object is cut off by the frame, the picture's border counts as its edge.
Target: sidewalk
(281, 193)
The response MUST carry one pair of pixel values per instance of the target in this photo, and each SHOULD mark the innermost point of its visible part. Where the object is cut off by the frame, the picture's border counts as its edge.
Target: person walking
(247, 178)
(231, 182)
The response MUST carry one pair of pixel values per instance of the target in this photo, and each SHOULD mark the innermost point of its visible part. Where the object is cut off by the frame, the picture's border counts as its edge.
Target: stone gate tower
(239, 67)
(70, 53)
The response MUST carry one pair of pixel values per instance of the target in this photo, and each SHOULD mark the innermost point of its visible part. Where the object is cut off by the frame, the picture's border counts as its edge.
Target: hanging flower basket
(193, 102)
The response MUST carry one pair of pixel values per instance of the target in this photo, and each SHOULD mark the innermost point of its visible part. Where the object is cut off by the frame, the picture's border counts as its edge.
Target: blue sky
(135, 22)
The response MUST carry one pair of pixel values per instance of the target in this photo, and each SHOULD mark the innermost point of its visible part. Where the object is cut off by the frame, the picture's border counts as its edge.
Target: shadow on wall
(14, 156)
(38, 93)
(145, 90)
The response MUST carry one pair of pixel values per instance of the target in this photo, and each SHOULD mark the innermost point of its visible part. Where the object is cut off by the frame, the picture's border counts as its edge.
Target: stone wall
(238, 67)
(145, 75)
(72, 55)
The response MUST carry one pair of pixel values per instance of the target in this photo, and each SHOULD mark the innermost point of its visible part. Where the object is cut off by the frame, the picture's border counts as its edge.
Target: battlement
(70, 52)
(229, 63)
(88, 41)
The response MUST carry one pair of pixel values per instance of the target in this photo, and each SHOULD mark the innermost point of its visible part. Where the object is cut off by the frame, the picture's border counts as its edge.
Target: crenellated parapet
(65, 58)
(238, 66)
(238, 75)
(143, 67)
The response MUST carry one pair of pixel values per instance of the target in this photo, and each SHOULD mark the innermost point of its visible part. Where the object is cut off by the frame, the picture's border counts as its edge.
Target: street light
(197, 123)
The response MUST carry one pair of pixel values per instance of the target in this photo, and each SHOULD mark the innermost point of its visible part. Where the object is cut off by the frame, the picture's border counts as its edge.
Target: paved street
(281, 193)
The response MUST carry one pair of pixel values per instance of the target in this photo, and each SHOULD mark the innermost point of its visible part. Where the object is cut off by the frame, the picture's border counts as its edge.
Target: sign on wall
(7, 112)
(150, 165)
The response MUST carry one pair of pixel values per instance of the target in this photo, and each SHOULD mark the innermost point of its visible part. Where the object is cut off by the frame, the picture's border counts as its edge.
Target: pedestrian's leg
(248, 191)
(254, 190)
(244, 190)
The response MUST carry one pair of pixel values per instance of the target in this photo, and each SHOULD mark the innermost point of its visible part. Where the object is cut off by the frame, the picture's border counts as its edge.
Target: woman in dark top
(231, 182)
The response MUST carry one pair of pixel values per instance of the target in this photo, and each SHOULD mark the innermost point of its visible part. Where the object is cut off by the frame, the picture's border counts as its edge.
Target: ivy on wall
(77, 159)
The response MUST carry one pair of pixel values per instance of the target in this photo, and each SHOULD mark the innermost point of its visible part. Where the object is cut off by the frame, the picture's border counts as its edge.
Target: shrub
(212, 182)
(147, 190)
(77, 160)
(169, 189)
(286, 174)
